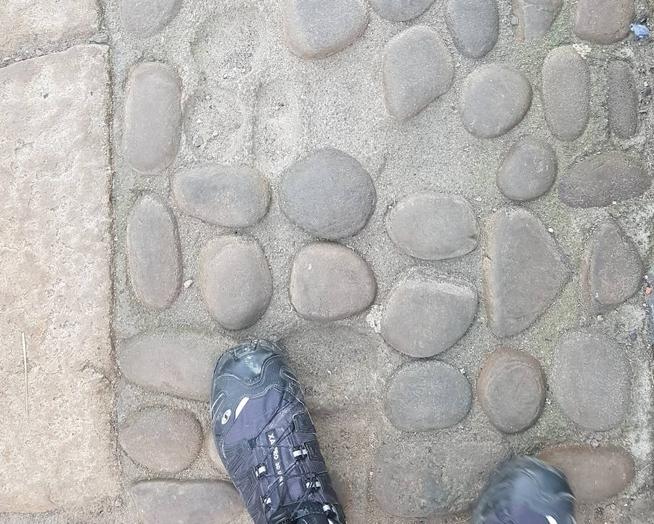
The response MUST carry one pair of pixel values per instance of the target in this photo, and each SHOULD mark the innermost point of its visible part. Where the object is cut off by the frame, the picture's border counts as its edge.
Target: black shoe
(267, 441)
(526, 491)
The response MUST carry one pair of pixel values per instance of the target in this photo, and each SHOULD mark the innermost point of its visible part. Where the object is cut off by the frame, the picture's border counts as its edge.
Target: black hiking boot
(267, 441)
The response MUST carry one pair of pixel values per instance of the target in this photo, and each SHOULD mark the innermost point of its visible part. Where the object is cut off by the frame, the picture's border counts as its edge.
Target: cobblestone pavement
(442, 209)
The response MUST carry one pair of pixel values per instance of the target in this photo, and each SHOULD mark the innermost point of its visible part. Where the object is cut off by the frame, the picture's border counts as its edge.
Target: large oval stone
(425, 396)
(591, 380)
(328, 193)
(535, 17)
(196, 501)
(153, 116)
(232, 197)
(594, 474)
(566, 93)
(162, 440)
(511, 389)
(474, 25)
(523, 271)
(622, 99)
(153, 253)
(143, 18)
(425, 317)
(433, 226)
(316, 29)
(599, 180)
(235, 281)
(330, 282)
(179, 364)
(494, 99)
(528, 170)
(603, 21)
(417, 69)
(400, 11)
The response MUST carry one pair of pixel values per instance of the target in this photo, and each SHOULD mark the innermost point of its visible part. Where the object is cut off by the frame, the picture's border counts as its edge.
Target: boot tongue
(303, 513)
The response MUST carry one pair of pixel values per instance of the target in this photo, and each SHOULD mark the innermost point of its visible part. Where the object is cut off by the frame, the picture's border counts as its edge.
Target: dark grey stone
(603, 21)
(232, 197)
(328, 193)
(623, 100)
(162, 440)
(528, 170)
(425, 317)
(153, 255)
(535, 17)
(425, 396)
(494, 99)
(417, 69)
(144, 18)
(591, 380)
(235, 281)
(153, 116)
(400, 10)
(523, 271)
(474, 25)
(566, 93)
(601, 179)
(330, 282)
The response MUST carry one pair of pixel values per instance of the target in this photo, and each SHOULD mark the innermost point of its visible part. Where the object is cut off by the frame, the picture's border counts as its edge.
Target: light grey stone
(400, 10)
(235, 281)
(566, 93)
(591, 380)
(603, 21)
(417, 69)
(426, 317)
(316, 29)
(474, 25)
(153, 115)
(535, 17)
(144, 18)
(528, 170)
(524, 271)
(328, 193)
(622, 100)
(232, 197)
(495, 98)
(153, 253)
(433, 226)
(330, 282)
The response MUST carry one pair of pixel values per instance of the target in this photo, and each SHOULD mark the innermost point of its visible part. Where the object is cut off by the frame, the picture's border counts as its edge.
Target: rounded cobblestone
(425, 396)
(511, 390)
(235, 281)
(494, 99)
(316, 29)
(566, 93)
(328, 193)
(144, 18)
(603, 21)
(153, 117)
(426, 317)
(153, 254)
(591, 380)
(474, 25)
(162, 440)
(535, 17)
(400, 11)
(233, 197)
(330, 282)
(417, 69)
(528, 170)
(622, 100)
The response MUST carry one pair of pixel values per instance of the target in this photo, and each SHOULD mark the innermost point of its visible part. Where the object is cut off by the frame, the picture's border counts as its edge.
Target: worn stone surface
(425, 396)
(162, 440)
(417, 69)
(55, 246)
(425, 317)
(594, 474)
(402, 10)
(328, 193)
(330, 282)
(153, 113)
(622, 100)
(316, 29)
(511, 390)
(535, 17)
(591, 380)
(494, 99)
(604, 178)
(235, 281)
(566, 92)
(144, 18)
(233, 197)
(474, 25)
(197, 501)
(433, 226)
(603, 21)
(155, 266)
(528, 170)
(524, 271)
